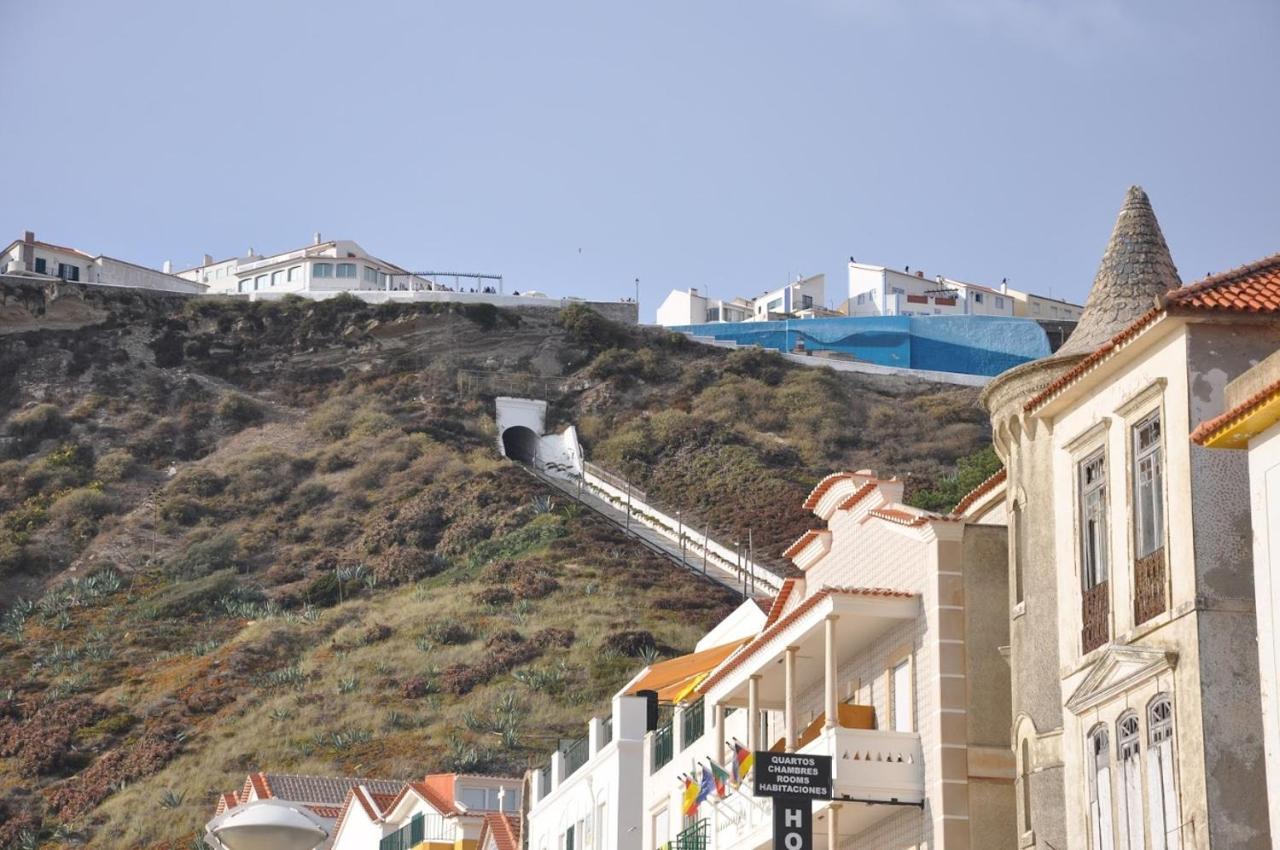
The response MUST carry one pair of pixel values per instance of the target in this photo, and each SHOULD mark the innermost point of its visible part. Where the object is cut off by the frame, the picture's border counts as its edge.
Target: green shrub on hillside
(199, 559)
(239, 411)
(41, 422)
(115, 466)
(197, 597)
(588, 329)
(971, 471)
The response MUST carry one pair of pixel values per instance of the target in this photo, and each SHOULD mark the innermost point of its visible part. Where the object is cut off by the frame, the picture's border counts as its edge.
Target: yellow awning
(676, 678)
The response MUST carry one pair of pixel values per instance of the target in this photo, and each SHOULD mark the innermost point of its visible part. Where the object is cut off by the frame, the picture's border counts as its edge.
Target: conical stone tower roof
(1136, 269)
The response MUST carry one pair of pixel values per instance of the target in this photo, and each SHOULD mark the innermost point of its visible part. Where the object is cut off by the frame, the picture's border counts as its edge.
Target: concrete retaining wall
(619, 311)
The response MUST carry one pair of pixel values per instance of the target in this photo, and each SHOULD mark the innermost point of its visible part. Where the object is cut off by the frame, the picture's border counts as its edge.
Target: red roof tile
(768, 634)
(858, 495)
(820, 490)
(1209, 428)
(504, 829)
(1252, 289)
(780, 602)
(803, 541)
(978, 492)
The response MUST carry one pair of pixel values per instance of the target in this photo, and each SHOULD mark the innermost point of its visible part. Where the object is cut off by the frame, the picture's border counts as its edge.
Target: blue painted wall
(973, 345)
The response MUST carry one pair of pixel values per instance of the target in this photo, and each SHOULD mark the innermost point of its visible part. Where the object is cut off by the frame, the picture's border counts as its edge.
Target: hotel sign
(792, 775)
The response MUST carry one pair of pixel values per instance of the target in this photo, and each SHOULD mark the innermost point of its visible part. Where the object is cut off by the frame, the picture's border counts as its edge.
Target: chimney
(249, 253)
(316, 238)
(207, 261)
(919, 273)
(28, 250)
(1004, 285)
(167, 267)
(693, 290)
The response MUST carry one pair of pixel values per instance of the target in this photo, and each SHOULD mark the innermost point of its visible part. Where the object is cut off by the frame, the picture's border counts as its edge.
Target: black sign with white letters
(792, 823)
(792, 775)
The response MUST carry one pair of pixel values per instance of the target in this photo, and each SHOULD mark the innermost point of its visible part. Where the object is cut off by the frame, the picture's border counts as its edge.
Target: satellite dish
(266, 825)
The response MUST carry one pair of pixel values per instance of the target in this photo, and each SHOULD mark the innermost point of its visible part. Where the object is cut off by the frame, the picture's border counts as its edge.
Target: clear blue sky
(576, 146)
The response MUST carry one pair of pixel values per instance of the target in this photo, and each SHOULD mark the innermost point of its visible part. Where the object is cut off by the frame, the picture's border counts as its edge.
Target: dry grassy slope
(249, 533)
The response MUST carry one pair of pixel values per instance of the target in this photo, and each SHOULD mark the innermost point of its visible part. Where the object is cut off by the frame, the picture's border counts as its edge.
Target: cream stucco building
(1136, 720)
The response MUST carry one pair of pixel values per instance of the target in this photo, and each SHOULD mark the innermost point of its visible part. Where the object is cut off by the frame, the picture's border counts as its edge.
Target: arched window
(1099, 753)
(1163, 807)
(1025, 777)
(1129, 750)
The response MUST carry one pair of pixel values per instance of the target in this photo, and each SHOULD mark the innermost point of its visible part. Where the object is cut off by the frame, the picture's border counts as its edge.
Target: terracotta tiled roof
(319, 790)
(1210, 428)
(1253, 289)
(799, 611)
(803, 541)
(978, 492)
(820, 490)
(331, 812)
(780, 602)
(503, 828)
(437, 801)
(858, 495)
(229, 800)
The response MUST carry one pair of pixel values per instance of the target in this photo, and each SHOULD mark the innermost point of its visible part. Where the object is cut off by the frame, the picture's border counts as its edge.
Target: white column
(833, 826)
(789, 704)
(557, 769)
(753, 713)
(832, 705)
(594, 734)
(718, 713)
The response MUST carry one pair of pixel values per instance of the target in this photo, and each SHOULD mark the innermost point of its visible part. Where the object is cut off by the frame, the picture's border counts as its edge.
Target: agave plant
(171, 799)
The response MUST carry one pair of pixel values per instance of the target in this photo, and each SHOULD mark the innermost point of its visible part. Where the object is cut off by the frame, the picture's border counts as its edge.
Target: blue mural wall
(973, 345)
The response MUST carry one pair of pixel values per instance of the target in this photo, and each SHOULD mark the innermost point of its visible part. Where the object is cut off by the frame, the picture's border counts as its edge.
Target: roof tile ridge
(1223, 278)
(1209, 427)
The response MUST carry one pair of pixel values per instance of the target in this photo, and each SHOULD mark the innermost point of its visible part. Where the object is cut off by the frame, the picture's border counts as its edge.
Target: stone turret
(1136, 269)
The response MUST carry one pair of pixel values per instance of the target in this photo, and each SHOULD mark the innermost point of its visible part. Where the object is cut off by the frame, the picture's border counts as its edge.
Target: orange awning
(675, 678)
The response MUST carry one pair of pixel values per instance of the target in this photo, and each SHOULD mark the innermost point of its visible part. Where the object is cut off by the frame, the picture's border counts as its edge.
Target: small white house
(805, 293)
(881, 291)
(690, 307)
(28, 257)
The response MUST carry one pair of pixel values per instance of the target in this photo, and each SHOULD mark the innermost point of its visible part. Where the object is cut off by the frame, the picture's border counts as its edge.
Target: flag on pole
(690, 807)
(706, 787)
(743, 760)
(721, 778)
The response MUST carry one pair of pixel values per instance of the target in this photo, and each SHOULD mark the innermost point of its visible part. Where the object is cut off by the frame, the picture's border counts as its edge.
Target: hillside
(278, 535)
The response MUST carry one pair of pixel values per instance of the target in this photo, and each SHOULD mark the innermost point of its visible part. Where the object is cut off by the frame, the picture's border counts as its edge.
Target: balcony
(1149, 587)
(663, 747)
(1095, 606)
(872, 765)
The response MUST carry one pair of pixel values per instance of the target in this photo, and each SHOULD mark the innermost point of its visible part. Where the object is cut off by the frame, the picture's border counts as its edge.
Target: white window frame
(346, 271)
(260, 282)
(294, 275)
(277, 278)
(900, 663)
(1153, 453)
(1098, 755)
(1163, 808)
(1129, 763)
(1093, 571)
(322, 270)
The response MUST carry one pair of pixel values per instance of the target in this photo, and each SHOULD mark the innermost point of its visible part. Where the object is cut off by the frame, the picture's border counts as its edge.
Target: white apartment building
(323, 266)
(804, 293)
(1251, 424)
(884, 655)
(29, 257)
(880, 291)
(689, 307)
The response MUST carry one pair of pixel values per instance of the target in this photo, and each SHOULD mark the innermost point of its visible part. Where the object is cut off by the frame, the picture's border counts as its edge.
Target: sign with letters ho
(792, 823)
(792, 775)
